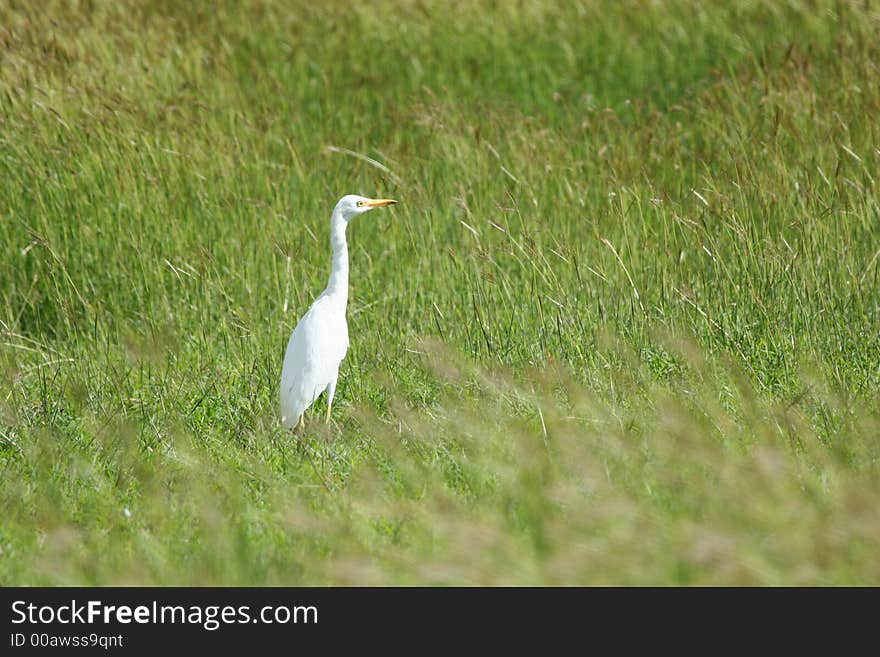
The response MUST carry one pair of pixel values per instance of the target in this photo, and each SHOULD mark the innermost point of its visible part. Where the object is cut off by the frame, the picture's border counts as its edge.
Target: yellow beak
(379, 202)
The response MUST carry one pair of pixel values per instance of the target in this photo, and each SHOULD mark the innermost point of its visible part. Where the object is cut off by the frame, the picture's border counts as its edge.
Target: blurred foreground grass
(509, 482)
(642, 235)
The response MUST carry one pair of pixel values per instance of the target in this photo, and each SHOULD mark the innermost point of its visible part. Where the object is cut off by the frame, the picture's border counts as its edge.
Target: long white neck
(337, 286)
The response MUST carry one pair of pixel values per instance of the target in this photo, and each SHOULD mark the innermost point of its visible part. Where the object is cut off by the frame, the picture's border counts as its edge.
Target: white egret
(320, 340)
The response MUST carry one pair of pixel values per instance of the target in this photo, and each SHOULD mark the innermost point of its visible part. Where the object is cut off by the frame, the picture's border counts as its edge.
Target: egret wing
(316, 348)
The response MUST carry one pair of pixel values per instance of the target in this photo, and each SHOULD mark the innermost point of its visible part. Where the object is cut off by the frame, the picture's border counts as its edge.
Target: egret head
(352, 205)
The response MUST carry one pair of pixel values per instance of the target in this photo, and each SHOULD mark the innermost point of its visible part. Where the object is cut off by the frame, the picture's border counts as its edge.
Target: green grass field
(622, 328)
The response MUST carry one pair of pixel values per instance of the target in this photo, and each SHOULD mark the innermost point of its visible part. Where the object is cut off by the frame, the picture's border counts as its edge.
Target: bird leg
(331, 392)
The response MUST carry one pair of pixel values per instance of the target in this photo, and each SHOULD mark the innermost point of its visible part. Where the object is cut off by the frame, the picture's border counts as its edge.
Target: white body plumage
(320, 340)
(314, 353)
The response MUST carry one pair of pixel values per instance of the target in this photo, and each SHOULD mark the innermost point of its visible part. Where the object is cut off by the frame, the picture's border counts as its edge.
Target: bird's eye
(360, 203)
